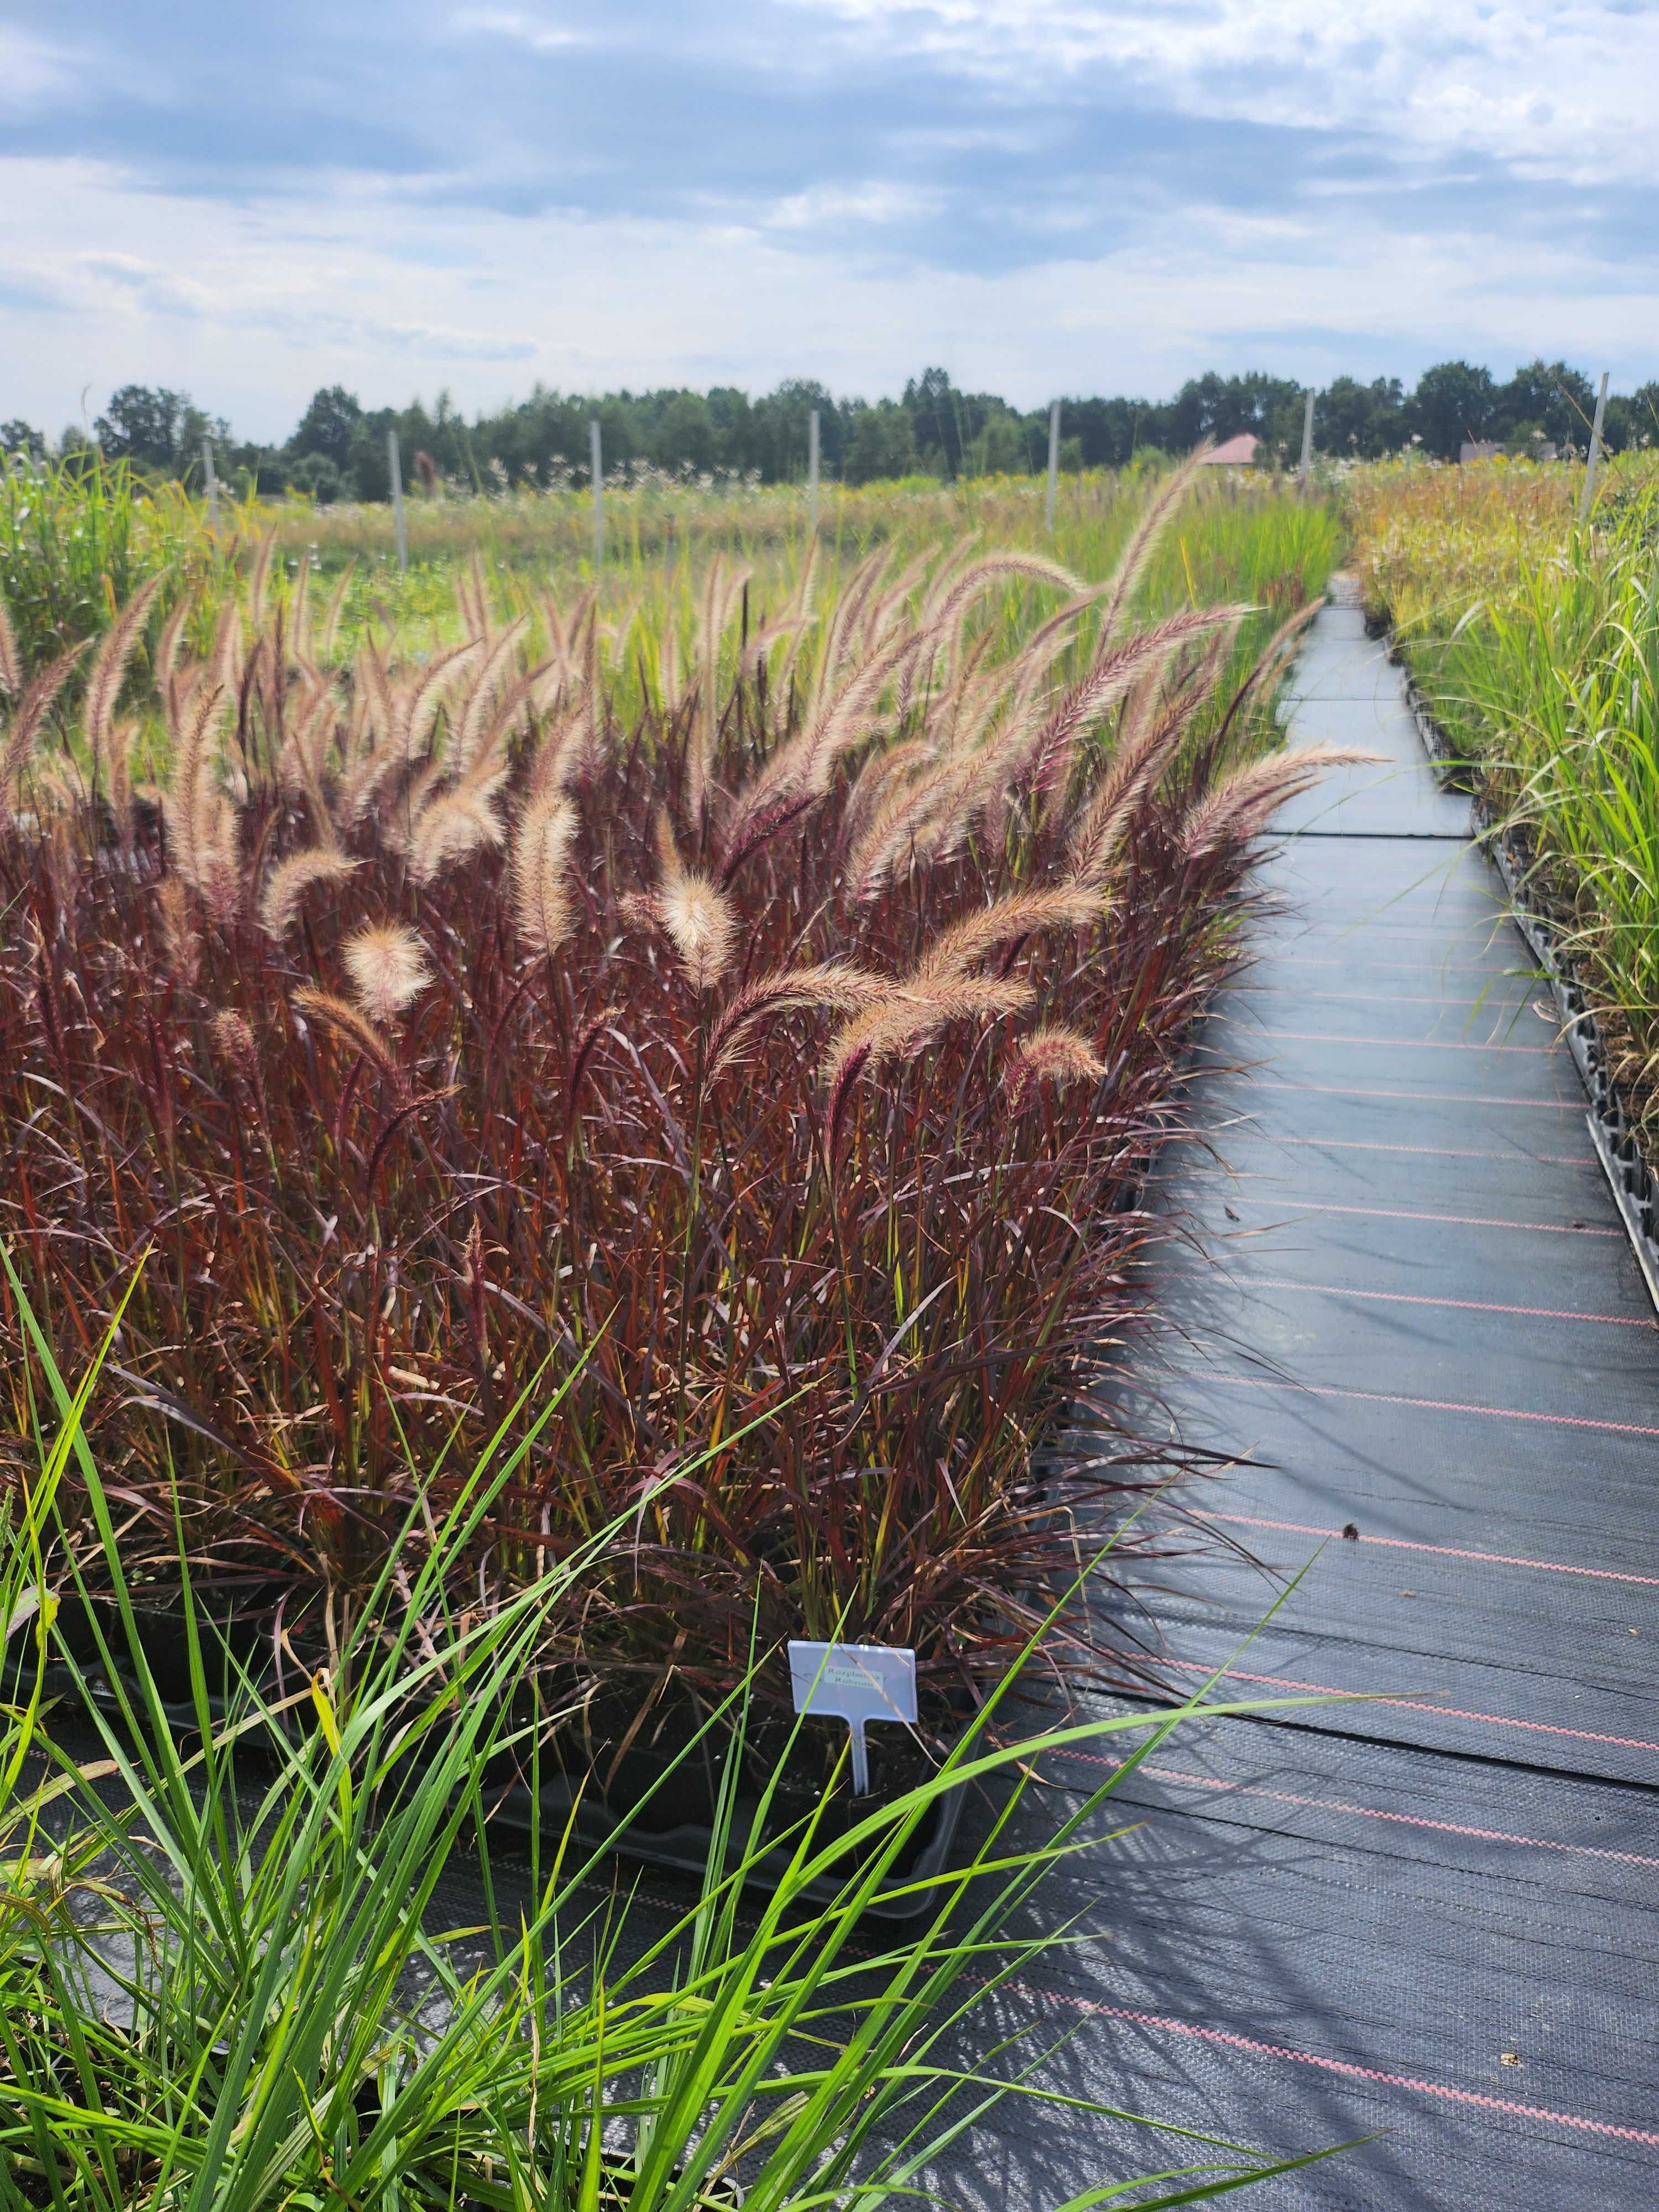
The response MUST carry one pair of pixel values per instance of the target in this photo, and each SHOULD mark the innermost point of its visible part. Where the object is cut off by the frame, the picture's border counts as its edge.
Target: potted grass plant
(721, 1089)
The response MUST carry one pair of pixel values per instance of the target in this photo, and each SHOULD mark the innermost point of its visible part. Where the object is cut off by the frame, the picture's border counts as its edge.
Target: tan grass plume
(387, 962)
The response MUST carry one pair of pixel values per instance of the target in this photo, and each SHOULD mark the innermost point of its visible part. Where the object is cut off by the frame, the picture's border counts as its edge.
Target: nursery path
(1426, 1324)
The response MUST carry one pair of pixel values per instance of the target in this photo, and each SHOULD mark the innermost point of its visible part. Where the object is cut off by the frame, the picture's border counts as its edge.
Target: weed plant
(771, 1053)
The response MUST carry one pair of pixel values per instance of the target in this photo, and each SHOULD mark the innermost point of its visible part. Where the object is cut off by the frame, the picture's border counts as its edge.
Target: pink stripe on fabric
(1367, 1812)
(1371, 997)
(1441, 1151)
(1415, 1213)
(1421, 1097)
(1230, 2040)
(1403, 1704)
(1410, 1044)
(1440, 1551)
(1481, 965)
(1432, 1405)
(1462, 1305)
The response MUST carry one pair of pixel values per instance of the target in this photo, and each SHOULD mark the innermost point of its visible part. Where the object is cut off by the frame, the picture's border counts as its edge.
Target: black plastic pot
(663, 1819)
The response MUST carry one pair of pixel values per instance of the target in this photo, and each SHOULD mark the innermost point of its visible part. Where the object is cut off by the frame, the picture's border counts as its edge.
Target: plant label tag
(857, 1682)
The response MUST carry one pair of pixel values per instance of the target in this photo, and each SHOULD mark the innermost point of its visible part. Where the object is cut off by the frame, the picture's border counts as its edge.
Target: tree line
(338, 447)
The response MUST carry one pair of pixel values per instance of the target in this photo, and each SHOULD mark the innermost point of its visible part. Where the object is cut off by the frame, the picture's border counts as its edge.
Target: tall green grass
(227, 1987)
(1546, 680)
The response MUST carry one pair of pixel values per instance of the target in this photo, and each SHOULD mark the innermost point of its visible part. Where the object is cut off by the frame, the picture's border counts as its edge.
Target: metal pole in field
(1054, 467)
(1594, 457)
(209, 477)
(397, 468)
(596, 469)
(1307, 440)
(812, 475)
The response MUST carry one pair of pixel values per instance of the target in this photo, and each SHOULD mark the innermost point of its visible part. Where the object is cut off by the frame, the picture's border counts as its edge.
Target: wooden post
(1586, 498)
(1307, 442)
(397, 467)
(1054, 467)
(596, 469)
(209, 477)
(813, 477)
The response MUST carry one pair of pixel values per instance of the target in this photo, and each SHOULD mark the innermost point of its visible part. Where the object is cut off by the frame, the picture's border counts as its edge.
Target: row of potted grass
(1534, 639)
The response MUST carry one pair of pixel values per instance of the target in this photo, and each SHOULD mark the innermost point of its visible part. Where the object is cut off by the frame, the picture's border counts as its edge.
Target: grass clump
(228, 1982)
(767, 1043)
(1535, 641)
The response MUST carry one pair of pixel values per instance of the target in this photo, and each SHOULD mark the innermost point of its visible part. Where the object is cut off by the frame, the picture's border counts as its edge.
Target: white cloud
(352, 284)
(536, 31)
(33, 72)
(1557, 87)
(876, 203)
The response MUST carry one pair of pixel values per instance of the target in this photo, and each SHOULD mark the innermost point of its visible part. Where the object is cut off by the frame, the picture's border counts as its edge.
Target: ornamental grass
(764, 1060)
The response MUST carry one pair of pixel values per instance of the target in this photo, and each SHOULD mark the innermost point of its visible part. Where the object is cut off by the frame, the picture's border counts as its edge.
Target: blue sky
(1043, 195)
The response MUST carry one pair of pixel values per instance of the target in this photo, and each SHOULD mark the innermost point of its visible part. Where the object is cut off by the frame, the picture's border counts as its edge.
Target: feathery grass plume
(956, 950)
(387, 962)
(287, 884)
(27, 717)
(541, 899)
(339, 1015)
(299, 611)
(459, 818)
(1053, 1053)
(258, 582)
(181, 947)
(233, 1042)
(844, 616)
(110, 667)
(447, 829)
(337, 599)
(904, 1019)
(189, 806)
(166, 646)
(839, 985)
(697, 918)
(803, 766)
(225, 661)
(945, 614)
(721, 592)
(11, 668)
(564, 669)
(1114, 674)
(1239, 807)
(478, 715)
(1157, 721)
(899, 825)
(1161, 511)
(305, 753)
(415, 703)
(795, 617)
(122, 740)
(884, 766)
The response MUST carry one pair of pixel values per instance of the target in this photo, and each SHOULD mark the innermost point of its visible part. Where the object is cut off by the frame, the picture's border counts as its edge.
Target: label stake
(857, 1683)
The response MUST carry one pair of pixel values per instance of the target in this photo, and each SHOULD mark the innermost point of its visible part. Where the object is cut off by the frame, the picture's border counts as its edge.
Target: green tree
(1452, 402)
(882, 444)
(328, 425)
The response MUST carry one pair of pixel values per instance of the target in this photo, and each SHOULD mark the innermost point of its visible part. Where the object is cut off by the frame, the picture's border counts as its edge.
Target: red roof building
(1237, 453)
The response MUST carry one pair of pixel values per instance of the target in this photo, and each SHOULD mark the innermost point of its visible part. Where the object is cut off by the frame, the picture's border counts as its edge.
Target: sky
(246, 201)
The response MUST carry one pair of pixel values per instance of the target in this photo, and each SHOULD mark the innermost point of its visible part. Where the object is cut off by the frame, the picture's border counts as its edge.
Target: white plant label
(857, 1683)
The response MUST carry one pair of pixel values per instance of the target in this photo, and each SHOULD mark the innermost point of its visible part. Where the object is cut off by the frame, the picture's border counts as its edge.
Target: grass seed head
(387, 962)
